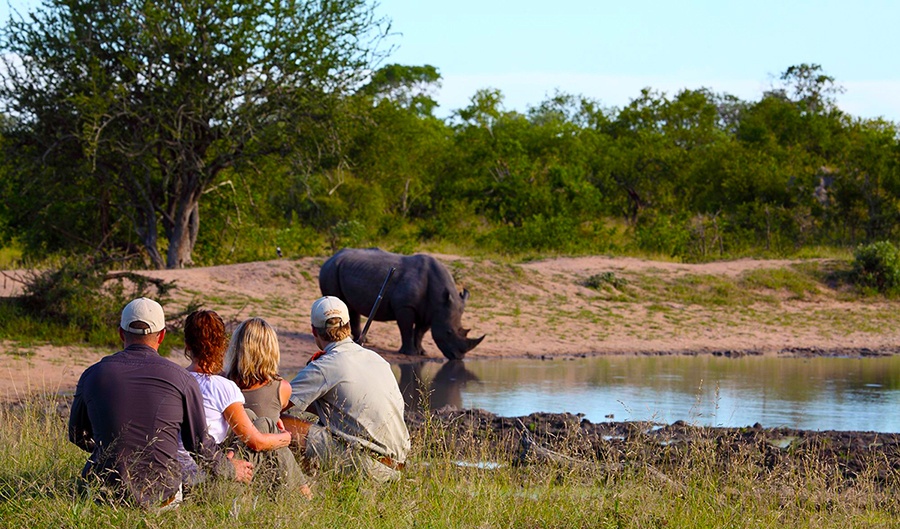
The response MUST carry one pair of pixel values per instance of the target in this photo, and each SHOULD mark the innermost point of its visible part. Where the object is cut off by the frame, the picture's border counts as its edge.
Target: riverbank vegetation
(466, 471)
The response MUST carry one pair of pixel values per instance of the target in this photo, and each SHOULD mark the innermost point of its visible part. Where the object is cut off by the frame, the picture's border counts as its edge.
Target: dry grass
(463, 473)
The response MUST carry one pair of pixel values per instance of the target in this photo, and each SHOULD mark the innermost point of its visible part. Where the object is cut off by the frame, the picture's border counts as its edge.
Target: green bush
(602, 280)
(250, 241)
(877, 267)
(664, 234)
(549, 234)
(81, 297)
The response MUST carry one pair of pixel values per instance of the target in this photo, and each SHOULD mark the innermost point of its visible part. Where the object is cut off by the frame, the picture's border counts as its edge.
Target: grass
(805, 281)
(24, 328)
(10, 257)
(621, 483)
(799, 284)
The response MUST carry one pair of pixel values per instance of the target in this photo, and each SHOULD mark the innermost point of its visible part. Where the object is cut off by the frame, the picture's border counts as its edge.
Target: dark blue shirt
(129, 411)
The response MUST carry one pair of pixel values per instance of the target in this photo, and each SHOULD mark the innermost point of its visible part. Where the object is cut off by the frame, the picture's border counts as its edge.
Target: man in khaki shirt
(355, 395)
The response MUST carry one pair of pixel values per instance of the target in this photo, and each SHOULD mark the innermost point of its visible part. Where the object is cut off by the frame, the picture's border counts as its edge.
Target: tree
(400, 146)
(811, 89)
(410, 87)
(152, 100)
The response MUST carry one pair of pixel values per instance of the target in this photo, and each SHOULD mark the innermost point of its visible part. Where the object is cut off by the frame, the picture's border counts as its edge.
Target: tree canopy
(311, 159)
(124, 113)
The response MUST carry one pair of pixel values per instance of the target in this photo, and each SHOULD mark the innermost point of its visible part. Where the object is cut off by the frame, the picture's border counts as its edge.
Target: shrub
(557, 233)
(877, 267)
(85, 296)
(666, 234)
(604, 279)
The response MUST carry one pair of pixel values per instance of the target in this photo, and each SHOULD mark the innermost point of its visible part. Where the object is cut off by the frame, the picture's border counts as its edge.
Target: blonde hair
(253, 354)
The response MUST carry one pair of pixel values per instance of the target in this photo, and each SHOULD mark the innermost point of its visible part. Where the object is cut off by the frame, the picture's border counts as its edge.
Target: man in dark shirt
(131, 408)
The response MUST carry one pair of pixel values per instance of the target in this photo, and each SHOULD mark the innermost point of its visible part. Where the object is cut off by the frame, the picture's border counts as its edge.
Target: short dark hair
(139, 337)
(135, 326)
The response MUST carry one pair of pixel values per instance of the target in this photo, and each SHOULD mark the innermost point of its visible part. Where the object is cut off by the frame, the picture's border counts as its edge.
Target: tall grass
(10, 256)
(619, 483)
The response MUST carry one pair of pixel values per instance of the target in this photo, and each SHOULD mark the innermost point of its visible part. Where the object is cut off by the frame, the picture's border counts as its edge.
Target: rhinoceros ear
(464, 295)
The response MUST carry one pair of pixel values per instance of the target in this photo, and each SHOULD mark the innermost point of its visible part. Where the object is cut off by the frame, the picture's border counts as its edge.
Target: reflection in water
(447, 384)
(411, 385)
(444, 389)
(808, 393)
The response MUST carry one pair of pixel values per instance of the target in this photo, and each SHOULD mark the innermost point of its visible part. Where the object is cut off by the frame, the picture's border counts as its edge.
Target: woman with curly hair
(205, 340)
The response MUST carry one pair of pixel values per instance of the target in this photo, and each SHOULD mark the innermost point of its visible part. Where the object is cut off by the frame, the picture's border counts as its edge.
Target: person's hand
(306, 492)
(280, 425)
(243, 470)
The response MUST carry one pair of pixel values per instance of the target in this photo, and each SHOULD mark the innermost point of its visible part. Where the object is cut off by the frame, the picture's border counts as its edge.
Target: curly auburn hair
(205, 340)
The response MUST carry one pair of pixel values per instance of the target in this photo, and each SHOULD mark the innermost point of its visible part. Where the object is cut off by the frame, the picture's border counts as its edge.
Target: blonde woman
(223, 403)
(251, 361)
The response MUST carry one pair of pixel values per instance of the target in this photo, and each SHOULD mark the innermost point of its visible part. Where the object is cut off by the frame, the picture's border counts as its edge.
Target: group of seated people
(155, 429)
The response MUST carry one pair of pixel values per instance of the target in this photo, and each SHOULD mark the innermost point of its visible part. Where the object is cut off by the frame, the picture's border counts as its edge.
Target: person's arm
(198, 442)
(309, 384)
(81, 433)
(244, 429)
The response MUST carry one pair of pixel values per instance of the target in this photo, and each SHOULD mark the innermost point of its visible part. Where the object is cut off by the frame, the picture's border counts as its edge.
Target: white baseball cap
(325, 308)
(143, 310)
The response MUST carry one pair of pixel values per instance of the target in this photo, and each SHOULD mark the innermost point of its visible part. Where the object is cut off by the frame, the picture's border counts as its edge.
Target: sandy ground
(538, 309)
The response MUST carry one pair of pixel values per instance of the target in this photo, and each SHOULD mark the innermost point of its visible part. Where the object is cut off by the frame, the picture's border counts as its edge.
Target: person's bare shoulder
(284, 392)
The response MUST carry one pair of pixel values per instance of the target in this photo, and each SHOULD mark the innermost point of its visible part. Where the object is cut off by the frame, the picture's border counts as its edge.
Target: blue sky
(610, 50)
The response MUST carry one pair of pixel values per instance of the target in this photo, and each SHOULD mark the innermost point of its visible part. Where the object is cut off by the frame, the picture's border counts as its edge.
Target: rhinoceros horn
(472, 342)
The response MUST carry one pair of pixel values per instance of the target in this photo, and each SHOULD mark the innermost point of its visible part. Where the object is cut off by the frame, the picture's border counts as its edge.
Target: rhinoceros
(420, 296)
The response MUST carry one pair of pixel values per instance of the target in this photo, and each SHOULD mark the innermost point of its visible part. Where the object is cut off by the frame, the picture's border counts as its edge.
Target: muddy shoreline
(570, 441)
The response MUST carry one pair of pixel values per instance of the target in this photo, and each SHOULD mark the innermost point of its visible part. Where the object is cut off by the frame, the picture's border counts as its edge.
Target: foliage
(876, 266)
(81, 298)
(690, 176)
(130, 111)
(602, 280)
(10, 256)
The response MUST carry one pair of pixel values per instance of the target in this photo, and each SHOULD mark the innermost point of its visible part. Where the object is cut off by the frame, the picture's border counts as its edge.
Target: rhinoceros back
(356, 276)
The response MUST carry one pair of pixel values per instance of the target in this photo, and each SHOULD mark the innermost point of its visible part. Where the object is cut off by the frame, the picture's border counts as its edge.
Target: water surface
(806, 393)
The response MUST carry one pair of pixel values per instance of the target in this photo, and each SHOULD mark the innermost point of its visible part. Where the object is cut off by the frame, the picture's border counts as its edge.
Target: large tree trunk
(145, 224)
(156, 258)
(182, 235)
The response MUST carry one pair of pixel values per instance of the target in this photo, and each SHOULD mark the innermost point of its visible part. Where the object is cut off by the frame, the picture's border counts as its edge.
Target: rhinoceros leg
(419, 333)
(406, 319)
(355, 329)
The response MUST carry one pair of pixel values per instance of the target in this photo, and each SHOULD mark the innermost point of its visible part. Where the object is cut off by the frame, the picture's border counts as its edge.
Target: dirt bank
(537, 309)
